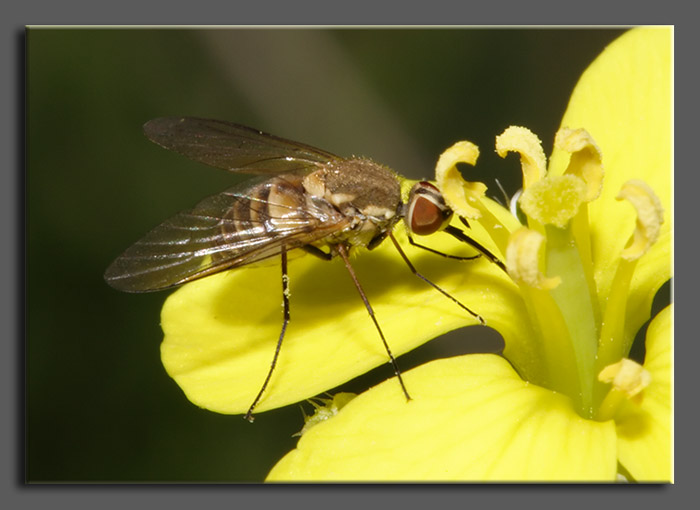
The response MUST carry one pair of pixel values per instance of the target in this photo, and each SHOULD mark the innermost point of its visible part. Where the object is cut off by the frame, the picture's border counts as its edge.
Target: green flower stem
(573, 300)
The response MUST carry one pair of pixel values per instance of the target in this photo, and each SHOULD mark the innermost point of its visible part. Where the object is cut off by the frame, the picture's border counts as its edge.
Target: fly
(303, 199)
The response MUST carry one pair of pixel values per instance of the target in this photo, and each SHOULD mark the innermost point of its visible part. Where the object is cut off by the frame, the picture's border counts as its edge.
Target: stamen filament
(580, 231)
(612, 346)
(611, 404)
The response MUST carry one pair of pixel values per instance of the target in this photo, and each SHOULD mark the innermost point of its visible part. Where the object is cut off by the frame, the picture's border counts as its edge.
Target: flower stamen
(628, 379)
(459, 194)
(468, 200)
(523, 260)
(650, 216)
(585, 161)
(525, 142)
(613, 344)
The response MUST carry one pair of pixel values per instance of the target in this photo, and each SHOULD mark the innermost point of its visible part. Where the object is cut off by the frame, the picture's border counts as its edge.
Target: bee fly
(303, 199)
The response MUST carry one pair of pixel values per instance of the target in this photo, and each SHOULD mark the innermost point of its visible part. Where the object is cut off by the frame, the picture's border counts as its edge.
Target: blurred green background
(100, 407)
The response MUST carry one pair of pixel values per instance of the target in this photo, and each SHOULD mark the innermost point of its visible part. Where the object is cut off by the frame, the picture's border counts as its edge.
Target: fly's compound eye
(427, 211)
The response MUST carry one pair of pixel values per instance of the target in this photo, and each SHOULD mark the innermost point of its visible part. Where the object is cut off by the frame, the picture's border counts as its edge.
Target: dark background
(99, 406)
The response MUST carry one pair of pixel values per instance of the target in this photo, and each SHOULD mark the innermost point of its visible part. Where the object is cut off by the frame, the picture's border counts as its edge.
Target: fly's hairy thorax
(367, 194)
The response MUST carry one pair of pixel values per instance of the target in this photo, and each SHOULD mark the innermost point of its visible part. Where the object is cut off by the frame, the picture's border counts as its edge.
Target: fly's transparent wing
(234, 147)
(242, 225)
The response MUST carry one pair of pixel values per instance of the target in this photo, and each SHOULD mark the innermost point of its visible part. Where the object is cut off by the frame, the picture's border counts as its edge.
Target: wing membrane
(233, 147)
(227, 230)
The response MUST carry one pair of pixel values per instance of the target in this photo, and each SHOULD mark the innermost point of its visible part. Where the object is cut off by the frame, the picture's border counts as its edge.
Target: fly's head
(426, 211)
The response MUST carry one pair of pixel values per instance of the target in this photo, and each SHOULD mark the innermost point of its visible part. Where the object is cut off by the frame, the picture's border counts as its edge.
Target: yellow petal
(644, 431)
(471, 418)
(624, 101)
(221, 331)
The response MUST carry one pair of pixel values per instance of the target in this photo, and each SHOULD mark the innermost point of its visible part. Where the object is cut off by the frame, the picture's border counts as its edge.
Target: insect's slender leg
(460, 235)
(434, 285)
(342, 250)
(317, 252)
(285, 302)
(446, 255)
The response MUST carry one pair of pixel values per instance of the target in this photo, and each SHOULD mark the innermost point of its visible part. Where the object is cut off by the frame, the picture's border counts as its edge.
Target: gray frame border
(128, 12)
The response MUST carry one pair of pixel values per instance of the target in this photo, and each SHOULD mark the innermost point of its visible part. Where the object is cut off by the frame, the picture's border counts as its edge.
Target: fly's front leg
(285, 304)
(434, 285)
(462, 236)
(437, 252)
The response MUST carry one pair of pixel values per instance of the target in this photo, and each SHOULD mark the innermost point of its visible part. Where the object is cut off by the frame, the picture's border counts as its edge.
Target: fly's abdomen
(240, 226)
(269, 213)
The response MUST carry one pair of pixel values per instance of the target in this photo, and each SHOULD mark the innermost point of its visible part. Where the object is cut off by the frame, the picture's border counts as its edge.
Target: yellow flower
(561, 404)
(565, 402)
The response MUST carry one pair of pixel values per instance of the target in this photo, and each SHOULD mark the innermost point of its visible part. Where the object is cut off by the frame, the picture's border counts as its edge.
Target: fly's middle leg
(343, 252)
(285, 304)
